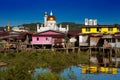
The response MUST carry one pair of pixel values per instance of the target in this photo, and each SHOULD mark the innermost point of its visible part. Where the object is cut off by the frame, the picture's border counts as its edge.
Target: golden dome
(51, 18)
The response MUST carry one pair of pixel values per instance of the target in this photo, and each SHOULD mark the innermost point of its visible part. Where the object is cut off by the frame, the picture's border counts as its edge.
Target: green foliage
(49, 76)
(15, 74)
(31, 26)
(22, 65)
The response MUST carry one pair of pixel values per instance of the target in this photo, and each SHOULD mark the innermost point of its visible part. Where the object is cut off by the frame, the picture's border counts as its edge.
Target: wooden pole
(52, 48)
(78, 50)
(67, 50)
(73, 49)
(104, 59)
(90, 51)
(89, 54)
(110, 59)
(116, 65)
(103, 50)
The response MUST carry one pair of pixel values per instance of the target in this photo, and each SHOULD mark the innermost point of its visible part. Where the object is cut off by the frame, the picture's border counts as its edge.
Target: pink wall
(42, 40)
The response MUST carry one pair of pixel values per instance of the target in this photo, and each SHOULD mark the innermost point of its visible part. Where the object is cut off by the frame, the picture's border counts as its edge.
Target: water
(40, 70)
(3, 68)
(74, 73)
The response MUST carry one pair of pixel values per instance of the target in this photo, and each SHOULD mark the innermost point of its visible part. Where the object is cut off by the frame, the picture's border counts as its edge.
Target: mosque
(50, 24)
(49, 34)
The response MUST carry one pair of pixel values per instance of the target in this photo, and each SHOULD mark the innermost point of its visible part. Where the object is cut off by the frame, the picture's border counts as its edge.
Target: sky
(19, 12)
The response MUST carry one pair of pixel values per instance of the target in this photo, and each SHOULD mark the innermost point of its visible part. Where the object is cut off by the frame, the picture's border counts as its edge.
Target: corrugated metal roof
(73, 32)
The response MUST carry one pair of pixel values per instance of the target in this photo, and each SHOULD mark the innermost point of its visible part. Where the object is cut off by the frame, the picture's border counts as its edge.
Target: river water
(74, 73)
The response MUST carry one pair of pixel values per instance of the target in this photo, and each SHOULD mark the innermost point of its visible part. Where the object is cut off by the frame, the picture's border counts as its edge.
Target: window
(98, 29)
(87, 29)
(111, 40)
(110, 29)
(37, 38)
(47, 39)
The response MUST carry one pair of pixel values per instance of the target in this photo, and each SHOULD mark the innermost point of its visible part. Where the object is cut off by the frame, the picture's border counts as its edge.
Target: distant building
(2, 29)
(90, 22)
(20, 29)
(50, 24)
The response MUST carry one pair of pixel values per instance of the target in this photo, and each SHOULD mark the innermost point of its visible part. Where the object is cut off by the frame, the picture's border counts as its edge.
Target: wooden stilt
(104, 59)
(52, 48)
(67, 50)
(116, 64)
(90, 51)
(110, 57)
(78, 50)
(73, 49)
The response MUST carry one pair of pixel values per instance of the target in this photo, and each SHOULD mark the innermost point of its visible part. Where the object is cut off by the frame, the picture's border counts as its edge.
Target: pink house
(49, 37)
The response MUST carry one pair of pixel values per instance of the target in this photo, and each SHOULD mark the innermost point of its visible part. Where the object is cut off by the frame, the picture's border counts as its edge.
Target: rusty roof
(73, 32)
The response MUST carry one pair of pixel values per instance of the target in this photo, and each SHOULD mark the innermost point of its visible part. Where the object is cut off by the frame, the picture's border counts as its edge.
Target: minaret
(51, 13)
(45, 19)
(8, 27)
(67, 27)
(38, 28)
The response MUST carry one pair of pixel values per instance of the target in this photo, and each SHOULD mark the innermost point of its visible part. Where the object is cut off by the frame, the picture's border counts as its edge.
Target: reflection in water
(71, 74)
(40, 70)
(3, 68)
(74, 73)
